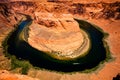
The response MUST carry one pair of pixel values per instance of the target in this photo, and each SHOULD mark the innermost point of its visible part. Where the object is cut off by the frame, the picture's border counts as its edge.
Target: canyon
(104, 14)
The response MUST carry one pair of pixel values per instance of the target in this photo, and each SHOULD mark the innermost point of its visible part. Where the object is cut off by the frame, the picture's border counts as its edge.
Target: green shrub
(25, 65)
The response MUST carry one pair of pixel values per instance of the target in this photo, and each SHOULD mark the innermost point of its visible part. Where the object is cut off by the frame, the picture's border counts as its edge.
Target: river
(96, 54)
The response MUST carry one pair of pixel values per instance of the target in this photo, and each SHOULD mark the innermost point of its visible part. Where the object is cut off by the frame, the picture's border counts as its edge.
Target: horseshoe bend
(54, 40)
(58, 37)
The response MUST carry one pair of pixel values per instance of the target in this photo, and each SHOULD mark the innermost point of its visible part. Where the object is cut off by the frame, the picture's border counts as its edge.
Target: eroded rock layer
(58, 35)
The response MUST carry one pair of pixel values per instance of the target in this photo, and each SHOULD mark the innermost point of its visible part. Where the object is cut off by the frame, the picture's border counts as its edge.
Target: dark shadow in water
(37, 58)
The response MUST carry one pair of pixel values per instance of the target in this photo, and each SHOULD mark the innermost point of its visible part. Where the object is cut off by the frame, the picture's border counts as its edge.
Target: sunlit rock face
(58, 35)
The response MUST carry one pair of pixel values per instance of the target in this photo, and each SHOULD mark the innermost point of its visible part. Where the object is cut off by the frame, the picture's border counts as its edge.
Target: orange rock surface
(5, 75)
(52, 33)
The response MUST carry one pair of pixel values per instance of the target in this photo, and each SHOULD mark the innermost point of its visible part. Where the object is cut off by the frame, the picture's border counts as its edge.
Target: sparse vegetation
(15, 63)
(25, 65)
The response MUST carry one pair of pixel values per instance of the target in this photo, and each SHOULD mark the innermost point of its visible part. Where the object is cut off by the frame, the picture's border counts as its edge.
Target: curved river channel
(96, 54)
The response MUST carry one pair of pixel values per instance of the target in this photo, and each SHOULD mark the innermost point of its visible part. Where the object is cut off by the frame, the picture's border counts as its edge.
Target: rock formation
(58, 35)
(105, 15)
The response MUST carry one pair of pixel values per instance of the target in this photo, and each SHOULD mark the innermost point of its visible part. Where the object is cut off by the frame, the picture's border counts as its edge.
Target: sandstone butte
(105, 14)
(58, 36)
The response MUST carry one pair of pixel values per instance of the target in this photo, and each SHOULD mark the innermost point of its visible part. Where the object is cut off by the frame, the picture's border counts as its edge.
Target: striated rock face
(58, 35)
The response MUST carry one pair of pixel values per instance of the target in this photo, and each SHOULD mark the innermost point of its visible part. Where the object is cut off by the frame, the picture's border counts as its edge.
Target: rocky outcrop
(58, 35)
(5, 75)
